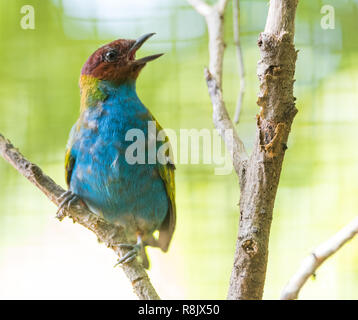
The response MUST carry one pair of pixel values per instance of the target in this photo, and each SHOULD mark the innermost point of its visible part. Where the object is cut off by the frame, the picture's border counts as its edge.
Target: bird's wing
(166, 230)
(166, 172)
(70, 158)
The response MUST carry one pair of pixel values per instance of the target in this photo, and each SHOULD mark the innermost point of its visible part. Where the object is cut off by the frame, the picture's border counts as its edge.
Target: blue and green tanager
(140, 196)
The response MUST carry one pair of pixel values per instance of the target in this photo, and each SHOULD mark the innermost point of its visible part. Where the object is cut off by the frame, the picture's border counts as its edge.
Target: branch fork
(258, 173)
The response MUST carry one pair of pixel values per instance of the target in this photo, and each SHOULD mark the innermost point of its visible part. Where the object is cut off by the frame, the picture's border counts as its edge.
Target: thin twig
(311, 263)
(225, 127)
(240, 59)
(221, 6)
(222, 121)
(105, 231)
(201, 7)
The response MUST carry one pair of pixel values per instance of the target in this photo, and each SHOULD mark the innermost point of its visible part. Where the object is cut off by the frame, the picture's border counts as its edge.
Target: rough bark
(275, 71)
(106, 232)
(259, 175)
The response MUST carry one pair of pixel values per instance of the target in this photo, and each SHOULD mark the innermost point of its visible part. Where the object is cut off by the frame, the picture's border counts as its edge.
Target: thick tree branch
(276, 75)
(311, 263)
(259, 175)
(240, 58)
(106, 232)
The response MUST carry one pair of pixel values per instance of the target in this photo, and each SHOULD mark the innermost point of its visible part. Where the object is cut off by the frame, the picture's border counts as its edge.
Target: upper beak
(137, 44)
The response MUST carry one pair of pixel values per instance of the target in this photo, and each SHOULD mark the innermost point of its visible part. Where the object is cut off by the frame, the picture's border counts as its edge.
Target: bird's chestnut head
(116, 61)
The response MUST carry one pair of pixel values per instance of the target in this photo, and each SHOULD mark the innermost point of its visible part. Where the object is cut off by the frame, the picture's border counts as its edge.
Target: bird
(140, 197)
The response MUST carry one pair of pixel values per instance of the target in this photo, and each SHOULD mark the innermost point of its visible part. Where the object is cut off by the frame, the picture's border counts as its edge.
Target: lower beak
(137, 44)
(147, 59)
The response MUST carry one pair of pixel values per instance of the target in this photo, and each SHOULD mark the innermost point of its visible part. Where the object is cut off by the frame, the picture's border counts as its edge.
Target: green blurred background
(39, 101)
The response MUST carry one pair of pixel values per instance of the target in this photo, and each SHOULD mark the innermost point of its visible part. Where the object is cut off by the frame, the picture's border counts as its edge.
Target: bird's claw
(67, 198)
(129, 256)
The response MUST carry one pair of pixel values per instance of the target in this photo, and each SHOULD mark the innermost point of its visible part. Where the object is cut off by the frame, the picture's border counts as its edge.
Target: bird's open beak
(139, 42)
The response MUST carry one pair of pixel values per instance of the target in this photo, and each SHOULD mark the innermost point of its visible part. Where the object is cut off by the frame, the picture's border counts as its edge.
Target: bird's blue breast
(133, 195)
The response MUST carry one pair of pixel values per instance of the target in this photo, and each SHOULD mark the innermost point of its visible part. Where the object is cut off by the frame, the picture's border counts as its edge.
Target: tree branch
(224, 125)
(201, 7)
(259, 175)
(105, 231)
(221, 119)
(241, 69)
(221, 6)
(311, 263)
(275, 71)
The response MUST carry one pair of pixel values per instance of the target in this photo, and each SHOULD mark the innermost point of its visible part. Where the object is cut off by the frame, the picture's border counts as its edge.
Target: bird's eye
(110, 56)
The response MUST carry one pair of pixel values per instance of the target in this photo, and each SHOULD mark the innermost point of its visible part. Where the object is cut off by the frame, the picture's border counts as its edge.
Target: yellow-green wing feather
(167, 174)
(69, 158)
(167, 228)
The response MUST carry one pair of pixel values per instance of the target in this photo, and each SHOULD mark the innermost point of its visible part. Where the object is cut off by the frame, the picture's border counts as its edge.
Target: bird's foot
(66, 199)
(134, 249)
